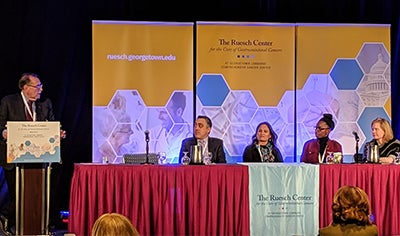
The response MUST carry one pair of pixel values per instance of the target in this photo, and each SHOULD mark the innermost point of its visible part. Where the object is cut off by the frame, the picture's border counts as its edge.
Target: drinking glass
(207, 158)
(397, 158)
(161, 158)
(185, 159)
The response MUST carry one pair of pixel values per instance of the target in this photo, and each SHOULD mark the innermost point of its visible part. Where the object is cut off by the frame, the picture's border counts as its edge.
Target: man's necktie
(203, 145)
(28, 114)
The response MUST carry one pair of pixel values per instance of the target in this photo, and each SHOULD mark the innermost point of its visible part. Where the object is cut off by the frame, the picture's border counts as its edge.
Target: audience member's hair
(113, 224)
(351, 206)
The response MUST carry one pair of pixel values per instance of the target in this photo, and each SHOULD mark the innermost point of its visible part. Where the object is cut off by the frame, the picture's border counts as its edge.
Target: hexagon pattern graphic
(212, 89)
(355, 92)
(346, 74)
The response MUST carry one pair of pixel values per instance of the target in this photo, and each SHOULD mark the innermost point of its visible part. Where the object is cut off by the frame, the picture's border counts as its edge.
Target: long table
(210, 200)
(163, 200)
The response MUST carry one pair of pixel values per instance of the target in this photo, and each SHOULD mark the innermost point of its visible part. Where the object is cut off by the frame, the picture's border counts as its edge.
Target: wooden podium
(32, 199)
(33, 146)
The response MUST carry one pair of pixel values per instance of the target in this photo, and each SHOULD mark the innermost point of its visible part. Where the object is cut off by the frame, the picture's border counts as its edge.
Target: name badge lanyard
(31, 113)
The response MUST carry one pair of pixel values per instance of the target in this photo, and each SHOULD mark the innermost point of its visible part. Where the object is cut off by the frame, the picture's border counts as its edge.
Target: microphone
(356, 136)
(147, 138)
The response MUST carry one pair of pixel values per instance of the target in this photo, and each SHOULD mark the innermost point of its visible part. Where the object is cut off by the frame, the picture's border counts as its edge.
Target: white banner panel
(283, 199)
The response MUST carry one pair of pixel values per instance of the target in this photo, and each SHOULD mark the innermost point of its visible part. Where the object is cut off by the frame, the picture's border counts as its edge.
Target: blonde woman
(382, 135)
(113, 224)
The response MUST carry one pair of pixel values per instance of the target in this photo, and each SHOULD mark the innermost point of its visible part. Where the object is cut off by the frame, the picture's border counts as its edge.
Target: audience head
(324, 126)
(30, 85)
(381, 130)
(351, 205)
(202, 127)
(264, 134)
(113, 224)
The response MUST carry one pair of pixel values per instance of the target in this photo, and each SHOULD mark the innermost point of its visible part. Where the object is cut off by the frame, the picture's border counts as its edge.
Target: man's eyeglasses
(321, 128)
(38, 86)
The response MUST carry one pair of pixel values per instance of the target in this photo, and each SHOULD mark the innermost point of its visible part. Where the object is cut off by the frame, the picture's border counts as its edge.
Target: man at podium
(26, 105)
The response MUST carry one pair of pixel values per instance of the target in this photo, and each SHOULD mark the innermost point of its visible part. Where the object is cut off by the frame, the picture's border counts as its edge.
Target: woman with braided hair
(316, 150)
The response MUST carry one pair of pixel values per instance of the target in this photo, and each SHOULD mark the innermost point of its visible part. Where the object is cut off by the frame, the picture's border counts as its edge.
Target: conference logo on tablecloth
(284, 199)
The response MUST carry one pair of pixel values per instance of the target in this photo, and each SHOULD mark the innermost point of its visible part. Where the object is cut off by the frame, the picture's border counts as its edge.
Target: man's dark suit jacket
(215, 145)
(12, 108)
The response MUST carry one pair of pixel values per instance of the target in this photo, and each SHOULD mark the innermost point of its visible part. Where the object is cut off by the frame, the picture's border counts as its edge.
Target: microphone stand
(147, 139)
(357, 155)
(147, 149)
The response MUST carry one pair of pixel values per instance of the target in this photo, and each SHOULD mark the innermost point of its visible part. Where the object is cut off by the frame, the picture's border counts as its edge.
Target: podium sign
(33, 142)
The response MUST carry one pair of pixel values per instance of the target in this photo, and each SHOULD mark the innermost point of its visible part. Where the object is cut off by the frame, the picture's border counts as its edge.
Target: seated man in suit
(201, 131)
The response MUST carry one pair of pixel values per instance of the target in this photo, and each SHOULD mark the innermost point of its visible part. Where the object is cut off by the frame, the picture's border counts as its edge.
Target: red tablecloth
(380, 182)
(163, 200)
(211, 200)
